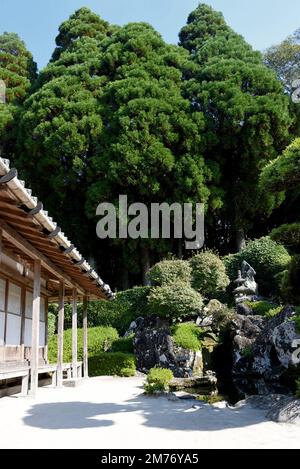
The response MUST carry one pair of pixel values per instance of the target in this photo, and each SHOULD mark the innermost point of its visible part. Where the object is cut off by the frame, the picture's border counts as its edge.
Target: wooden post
(74, 334)
(46, 330)
(1, 245)
(60, 333)
(85, 338)
(34, 362)
(23, 310)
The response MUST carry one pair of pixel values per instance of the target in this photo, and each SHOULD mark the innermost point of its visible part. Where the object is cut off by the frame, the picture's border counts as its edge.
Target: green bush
(158, 379)
(263, 308)
(100, 339)
(110, 364)
(208, 274)
(51, 324)
(169, 271)
(127, 306)
(268, 258)
(175, 301)
(290, 290)
(123, 344)
(187, 335)
(289, 235)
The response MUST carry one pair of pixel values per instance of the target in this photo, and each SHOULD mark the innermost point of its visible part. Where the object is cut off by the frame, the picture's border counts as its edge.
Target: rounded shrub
(175, 301)
(208, 274)
(290, 290)
(158, 379)
(169, 271)
(268, 258)
(187, 335)
(298, 388)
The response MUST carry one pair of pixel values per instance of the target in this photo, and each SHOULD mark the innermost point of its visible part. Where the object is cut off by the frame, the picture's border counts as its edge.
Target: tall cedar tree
(61, 123)
(246, 112)
(150, 147)
(18, 71)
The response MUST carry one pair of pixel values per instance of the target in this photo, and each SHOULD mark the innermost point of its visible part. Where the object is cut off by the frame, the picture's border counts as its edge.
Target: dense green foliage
(100, 339)
(264, 308)
(288, 235)
(18, 71)
(175, 301)
(282, 174)
(127, 306)
(208, 274)
(268, 258)
(290, 290)
(169, 271)
(51, 324)
(112, 363)
(158, 379)
(117, 110)
(246, 114)
(187, 335)
(101, 362)
(123, 344)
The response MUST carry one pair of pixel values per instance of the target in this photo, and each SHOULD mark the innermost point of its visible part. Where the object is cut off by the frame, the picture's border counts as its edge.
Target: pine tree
(61, 123)
(150, 147)
(17, 71)
(246, 113)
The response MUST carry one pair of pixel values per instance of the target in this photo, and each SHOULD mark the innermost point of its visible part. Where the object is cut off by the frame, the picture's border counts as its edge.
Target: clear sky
(261, 22)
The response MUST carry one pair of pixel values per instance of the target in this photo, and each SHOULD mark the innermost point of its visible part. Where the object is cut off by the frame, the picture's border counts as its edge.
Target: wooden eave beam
(32, 252)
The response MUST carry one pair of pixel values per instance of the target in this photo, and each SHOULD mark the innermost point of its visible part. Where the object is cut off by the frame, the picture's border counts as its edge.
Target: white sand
(112, 413)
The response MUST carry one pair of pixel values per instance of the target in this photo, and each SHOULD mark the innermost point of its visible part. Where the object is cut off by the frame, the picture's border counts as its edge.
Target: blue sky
(261, 22)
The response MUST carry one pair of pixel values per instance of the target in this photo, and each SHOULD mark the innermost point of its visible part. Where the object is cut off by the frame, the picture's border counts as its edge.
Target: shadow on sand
(157, 412)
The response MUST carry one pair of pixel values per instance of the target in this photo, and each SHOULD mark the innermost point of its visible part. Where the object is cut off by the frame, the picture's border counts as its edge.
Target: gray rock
(154, 346)
(133, 326)
(263, 348)
(244, 310)
(285, 411)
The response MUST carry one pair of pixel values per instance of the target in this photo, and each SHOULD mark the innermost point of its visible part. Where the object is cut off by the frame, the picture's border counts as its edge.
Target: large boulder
(264, 348)
(278, 407)
(154, 346)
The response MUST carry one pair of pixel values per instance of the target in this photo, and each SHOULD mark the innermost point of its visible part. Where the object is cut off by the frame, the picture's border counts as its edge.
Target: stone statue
(247, 287)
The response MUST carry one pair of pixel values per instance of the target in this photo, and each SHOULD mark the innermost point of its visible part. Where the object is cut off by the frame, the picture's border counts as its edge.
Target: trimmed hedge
(112, 363)
(100, 339)
(175, 301)
(269, 260)
(158, 379)
(187, 335)
(169, 271)
(208, 274)
(123, 344)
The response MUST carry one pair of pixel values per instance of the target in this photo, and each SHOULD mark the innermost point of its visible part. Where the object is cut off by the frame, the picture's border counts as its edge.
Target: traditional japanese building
(38, 265)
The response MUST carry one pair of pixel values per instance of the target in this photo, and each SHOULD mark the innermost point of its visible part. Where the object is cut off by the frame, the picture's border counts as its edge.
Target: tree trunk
(179, 249)
(145, 264)
(240, 239)
(125, 278)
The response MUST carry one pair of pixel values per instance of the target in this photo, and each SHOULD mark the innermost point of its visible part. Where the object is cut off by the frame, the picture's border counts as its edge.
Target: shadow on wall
(157, 412)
